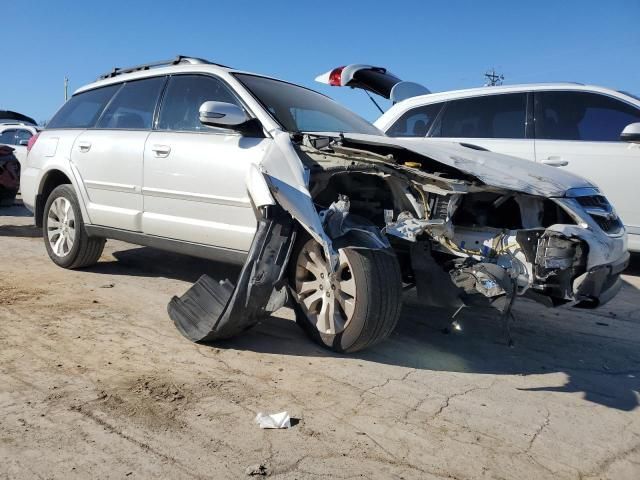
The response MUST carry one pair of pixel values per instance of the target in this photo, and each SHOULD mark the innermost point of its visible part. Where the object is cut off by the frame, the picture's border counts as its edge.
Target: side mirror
(23, 142)
(631, 133)
(222, 115)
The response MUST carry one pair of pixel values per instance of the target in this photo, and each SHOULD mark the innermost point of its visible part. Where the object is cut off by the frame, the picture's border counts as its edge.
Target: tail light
(32, 142)
(336, 76)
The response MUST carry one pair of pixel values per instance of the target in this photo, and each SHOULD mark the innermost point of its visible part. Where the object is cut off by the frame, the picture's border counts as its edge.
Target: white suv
(16, 130)
(322, 210)
(588, 130)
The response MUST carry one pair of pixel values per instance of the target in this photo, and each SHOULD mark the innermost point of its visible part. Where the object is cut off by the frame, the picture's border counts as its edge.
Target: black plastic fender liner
(433, 284)
(212, 310)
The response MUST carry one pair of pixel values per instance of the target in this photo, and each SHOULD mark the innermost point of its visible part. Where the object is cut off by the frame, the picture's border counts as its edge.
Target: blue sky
(444, 45)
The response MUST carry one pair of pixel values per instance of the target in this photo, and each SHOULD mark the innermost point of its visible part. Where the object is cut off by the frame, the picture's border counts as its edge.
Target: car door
(109, 157)
(194, 176)
(495, 122)
(580, 132)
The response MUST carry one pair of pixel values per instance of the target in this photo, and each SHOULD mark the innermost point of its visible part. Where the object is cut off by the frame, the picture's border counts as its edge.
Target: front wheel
(353, 308)
(65, 238)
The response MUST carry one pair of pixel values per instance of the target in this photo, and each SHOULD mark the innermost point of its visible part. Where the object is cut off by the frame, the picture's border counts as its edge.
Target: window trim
(268, 113)
(437, 122)
(115, 95)
(536, 97)
(410, 111)
(530, 118)
(156, 114)
(99, 116)
(221, 131)
(10, 129)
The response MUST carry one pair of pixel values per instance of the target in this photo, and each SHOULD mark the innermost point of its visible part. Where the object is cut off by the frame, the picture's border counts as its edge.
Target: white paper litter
(275, 420)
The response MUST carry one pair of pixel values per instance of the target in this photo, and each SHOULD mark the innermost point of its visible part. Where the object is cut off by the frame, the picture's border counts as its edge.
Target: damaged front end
(461, 236)
(466, 242)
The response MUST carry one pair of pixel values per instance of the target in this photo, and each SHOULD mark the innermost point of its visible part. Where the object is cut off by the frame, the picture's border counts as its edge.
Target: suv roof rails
(146, 66)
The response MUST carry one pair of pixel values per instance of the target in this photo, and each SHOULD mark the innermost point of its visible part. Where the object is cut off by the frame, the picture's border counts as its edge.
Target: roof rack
(146, 66)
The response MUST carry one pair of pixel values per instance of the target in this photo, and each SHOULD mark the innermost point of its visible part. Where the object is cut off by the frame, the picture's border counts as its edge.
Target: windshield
(299, 109)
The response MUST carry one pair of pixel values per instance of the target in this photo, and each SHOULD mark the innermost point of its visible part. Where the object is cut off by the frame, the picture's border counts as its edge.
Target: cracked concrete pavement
(95, 382)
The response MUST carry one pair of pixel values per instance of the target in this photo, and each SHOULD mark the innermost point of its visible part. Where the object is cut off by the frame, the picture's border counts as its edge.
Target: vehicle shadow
(598, 351)
(16, 210)
(600, 362)
(150, 262)
(27, 231)
(634, 265)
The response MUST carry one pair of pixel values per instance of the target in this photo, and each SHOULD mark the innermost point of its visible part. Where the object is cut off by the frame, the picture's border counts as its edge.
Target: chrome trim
(114, 187)
(193, 197)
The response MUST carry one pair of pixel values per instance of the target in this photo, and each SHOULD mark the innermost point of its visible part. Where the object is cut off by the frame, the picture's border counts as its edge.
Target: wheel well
(369, 195)
(53, 179)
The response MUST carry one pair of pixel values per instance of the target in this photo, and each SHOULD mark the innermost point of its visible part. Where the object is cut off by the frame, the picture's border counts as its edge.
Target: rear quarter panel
(51, 152)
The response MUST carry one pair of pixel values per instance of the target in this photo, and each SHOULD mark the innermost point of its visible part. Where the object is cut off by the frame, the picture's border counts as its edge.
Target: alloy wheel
(61, 226)
(328, 299)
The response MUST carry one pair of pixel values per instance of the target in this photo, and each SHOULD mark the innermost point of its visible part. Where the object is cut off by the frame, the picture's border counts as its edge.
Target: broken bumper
(600, 284)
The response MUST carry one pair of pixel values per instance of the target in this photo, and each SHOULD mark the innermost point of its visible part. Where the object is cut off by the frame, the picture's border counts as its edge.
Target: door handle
(555, 161)
(161, 150)
(84, 146)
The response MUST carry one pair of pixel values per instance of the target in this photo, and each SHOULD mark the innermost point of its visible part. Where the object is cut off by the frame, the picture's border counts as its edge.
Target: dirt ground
(95, 382)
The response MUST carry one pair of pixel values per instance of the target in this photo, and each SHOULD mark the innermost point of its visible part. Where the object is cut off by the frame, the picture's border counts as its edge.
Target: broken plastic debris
(275, 420)
(259, 470)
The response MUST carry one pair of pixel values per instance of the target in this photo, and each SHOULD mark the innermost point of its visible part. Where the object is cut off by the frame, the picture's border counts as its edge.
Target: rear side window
(492, 116)
(582, 116)
(22, 135)
(133, 106)
(8, 137)
(83, 109)
(415, 122)
(185, 95)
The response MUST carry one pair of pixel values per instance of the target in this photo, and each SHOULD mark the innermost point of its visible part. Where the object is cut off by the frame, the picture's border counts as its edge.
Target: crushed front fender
(211, 310)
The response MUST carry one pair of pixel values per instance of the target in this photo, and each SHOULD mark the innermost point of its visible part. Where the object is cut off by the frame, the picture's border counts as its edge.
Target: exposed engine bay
(459, 241)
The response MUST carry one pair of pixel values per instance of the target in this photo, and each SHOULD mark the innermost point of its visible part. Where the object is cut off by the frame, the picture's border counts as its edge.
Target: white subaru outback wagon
(324, 212)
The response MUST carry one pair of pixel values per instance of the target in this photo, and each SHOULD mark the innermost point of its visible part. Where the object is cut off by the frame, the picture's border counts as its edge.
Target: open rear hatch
(372, 79)
(7, 116)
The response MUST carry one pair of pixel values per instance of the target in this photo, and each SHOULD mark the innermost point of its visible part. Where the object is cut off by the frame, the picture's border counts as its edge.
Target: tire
(372, 276)
(65, 237)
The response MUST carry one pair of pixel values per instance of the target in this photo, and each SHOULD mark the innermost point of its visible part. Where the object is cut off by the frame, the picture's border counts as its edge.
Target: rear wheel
(65, 238)
(353, 308)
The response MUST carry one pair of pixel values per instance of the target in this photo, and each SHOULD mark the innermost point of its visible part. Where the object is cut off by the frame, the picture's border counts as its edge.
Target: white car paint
(17, 131)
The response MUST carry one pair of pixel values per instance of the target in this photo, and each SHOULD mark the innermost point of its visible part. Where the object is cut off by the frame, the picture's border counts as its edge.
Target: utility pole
(66, 88)
(493, 78)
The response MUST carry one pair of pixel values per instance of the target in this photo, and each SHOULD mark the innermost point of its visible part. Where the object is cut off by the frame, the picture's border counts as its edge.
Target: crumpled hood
(491, 168)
